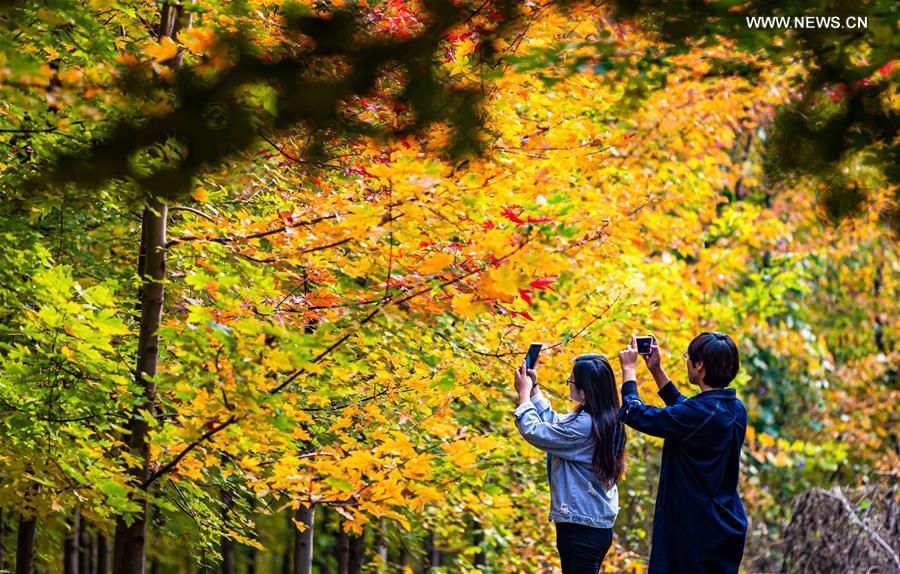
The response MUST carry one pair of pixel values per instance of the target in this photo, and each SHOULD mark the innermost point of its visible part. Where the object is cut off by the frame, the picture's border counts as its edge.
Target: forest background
(267, 268)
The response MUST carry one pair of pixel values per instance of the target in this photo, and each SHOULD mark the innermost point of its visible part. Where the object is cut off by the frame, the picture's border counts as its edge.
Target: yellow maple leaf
(460, 454)
(199, 39)
(502, 284)
(164, 50)
(435, 263)
(465, 305)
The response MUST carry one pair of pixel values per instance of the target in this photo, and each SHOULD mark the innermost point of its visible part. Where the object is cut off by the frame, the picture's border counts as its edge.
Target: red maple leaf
(511, 212)
(458, 37)
(525, 294)
(543, 283)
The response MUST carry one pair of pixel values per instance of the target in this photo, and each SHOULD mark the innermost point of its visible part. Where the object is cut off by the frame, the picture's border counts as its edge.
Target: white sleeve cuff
(540, 402)
(522, 408)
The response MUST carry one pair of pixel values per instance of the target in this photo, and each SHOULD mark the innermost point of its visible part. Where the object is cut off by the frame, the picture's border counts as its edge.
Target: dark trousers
(582, 548)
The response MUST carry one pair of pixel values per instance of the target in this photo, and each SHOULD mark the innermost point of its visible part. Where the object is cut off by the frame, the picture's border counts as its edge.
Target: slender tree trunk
(303, 541)
(2, 541)
(70, 545)
(432, 554)
(401, 559)
(131, 539)
(879, 322)
(357, 554)
(381, 545)
(227, 556)
(130, 545)
(25, 545)
(287, 561)
(342, 548)
(84, 548)
(480, 559)
(227, 547)
(436, 557)
(251, 560)
(92, 550)
(102, 554)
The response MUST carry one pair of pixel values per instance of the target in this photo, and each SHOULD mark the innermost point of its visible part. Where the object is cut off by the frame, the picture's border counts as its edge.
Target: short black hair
(719, 355)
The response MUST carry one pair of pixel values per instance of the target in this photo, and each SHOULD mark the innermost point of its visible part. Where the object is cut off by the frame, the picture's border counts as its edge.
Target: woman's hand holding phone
(628, 359)
(523, 383)
(532, 374)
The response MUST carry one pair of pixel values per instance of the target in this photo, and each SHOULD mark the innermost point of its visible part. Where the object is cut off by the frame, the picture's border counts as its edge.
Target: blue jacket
(699, 526)
(576, 494)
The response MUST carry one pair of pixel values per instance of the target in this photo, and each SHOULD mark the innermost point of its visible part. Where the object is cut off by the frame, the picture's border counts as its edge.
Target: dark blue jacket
(699, 526)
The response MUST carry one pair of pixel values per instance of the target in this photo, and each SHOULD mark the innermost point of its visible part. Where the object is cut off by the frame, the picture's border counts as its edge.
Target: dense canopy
(263, 261)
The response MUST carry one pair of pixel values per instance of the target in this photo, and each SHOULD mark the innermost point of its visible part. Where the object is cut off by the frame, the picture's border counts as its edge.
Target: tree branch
(184, 452)
(383, 302)
(191, 210)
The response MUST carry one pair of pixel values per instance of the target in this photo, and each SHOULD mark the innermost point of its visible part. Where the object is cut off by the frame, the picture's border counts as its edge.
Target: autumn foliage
(343, 309)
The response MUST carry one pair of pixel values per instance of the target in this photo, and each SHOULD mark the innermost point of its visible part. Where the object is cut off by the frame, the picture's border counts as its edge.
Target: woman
(586, 451)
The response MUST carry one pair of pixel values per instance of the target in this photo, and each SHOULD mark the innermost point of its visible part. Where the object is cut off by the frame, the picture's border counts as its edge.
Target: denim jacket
(576, 494)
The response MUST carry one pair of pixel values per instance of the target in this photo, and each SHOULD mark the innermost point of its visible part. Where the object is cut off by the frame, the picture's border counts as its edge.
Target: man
(699, 525)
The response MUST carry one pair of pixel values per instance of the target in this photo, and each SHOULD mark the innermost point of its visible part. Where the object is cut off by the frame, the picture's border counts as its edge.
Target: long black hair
(594, 375)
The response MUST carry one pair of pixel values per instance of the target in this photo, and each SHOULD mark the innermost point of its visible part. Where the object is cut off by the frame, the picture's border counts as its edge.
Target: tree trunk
(480, 559)
(343, 551)
(130, 545)
(131, 539)
(227, 547)
(95, 556)
(251, 560)
(84, 548)
(287, 560)
(303, 541)
(251, 551)
(70, 545)
(381, 545)
(357, 554)
(227, 556)
(102, 554)
(2, 541)
(401, 559)
(25, 545)
(432, 554)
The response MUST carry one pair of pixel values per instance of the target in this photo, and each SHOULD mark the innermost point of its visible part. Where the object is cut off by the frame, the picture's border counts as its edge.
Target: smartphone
(531, 357)
(643, 345)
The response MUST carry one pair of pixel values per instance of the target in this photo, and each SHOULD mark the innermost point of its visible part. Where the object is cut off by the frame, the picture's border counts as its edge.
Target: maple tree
(345, 294)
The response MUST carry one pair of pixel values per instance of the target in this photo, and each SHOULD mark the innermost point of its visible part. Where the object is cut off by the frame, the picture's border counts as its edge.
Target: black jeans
(582, 548)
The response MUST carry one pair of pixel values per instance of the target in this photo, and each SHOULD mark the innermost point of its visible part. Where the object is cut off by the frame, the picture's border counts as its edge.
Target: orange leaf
(165, 50)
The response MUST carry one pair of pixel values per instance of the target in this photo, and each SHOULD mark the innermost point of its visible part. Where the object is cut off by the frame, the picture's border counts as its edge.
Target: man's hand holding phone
(653, 359)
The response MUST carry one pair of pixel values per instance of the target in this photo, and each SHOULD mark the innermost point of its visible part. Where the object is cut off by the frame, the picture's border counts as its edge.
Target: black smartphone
(643, 345)
(531, 357)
